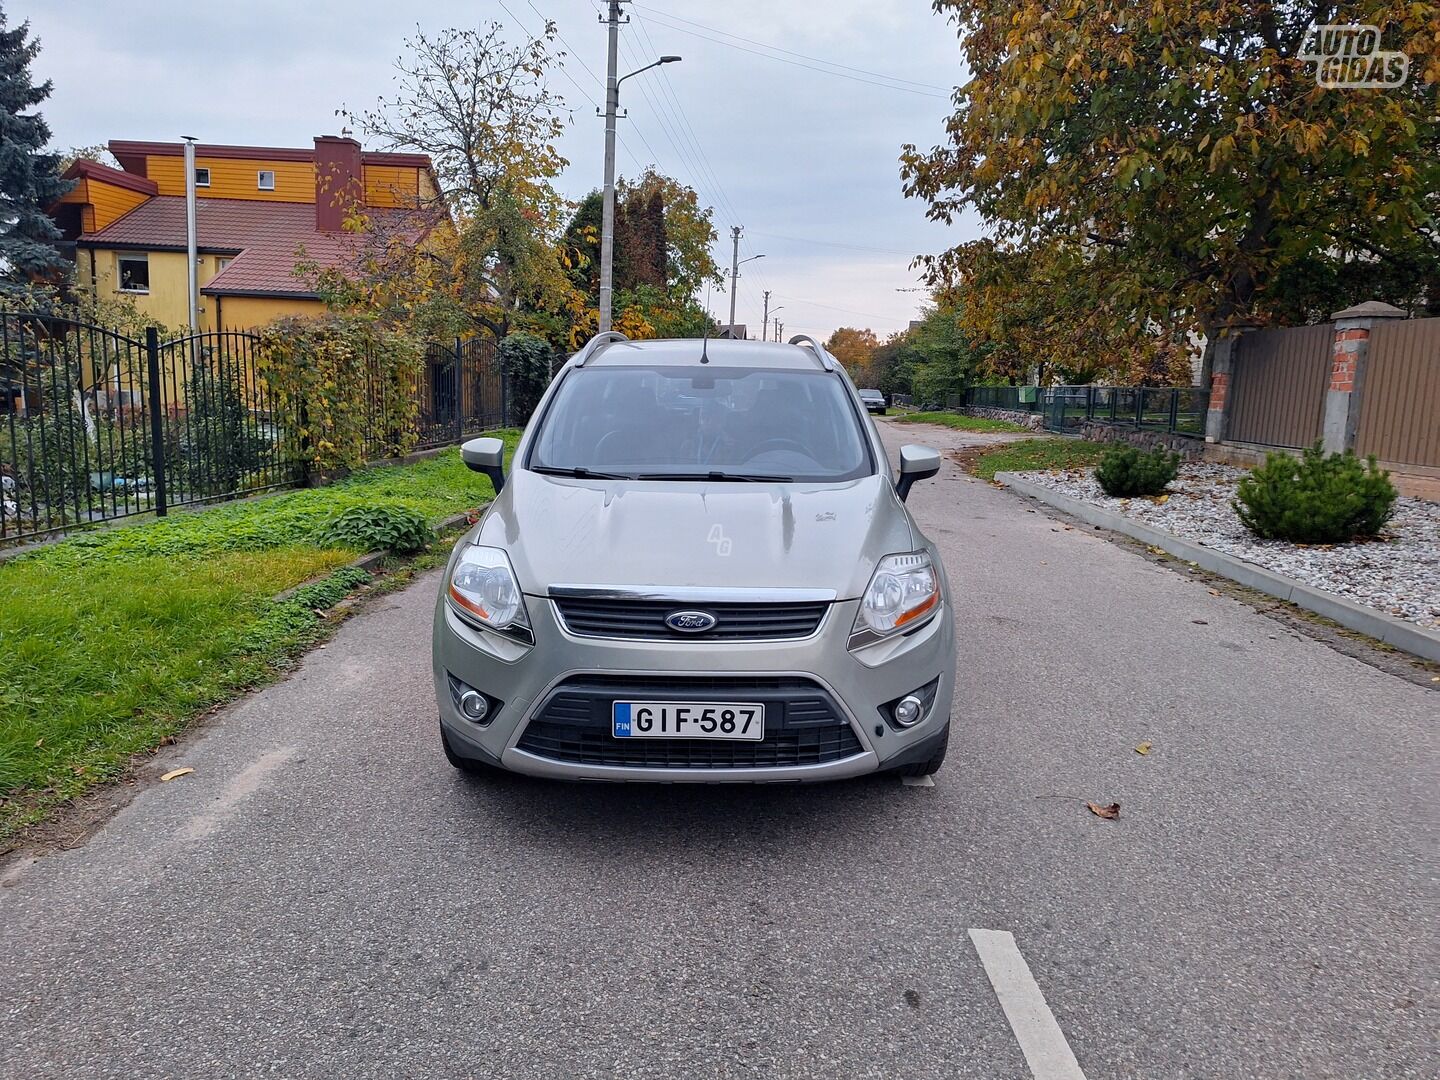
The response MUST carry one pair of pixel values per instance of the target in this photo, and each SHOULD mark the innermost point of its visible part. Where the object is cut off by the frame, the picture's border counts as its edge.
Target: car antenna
(705, 344)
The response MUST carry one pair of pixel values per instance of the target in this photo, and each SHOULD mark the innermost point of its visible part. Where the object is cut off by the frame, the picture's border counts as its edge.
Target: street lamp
(612, 107)
(735, 264)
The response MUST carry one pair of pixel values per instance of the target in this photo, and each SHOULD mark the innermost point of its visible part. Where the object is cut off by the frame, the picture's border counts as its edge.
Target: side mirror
(487, 456)
(916, 463)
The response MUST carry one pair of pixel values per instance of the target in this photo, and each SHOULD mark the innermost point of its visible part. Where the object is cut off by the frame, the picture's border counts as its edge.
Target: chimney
(339, 180)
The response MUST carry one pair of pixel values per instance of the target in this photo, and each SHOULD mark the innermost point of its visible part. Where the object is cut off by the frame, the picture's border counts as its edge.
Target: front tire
(931, 765)
(468, 766)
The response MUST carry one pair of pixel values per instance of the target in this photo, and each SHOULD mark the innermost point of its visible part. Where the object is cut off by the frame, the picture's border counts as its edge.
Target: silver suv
(699, 569)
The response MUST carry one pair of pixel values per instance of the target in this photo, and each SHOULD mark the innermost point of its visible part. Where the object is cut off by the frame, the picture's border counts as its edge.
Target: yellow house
(257, 208)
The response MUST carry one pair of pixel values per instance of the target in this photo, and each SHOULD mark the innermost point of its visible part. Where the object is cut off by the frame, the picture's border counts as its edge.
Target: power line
(832, 307)
(800, 64)
(834, 243)
(791, 52)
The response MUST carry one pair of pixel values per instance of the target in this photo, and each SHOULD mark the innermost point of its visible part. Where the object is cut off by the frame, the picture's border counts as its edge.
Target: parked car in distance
(700, 567)
(873, 400)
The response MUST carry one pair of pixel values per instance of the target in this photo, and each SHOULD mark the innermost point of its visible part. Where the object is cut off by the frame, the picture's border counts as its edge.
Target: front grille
(645, 619)
(803, 725)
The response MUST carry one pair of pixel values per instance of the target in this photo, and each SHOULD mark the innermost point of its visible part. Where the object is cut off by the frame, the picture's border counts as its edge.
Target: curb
(1403, 635)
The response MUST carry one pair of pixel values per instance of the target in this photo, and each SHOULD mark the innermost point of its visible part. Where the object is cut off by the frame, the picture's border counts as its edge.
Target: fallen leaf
(1109, 813)
(1214, 592)
(1200, 622)
(1162, 500)
(173, 773)
(40, 742)
(1143, 749)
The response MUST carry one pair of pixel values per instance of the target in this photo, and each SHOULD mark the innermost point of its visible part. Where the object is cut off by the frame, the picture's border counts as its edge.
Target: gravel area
(1398, 574)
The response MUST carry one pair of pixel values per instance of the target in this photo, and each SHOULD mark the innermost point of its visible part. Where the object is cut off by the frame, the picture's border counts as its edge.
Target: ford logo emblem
(690, 622)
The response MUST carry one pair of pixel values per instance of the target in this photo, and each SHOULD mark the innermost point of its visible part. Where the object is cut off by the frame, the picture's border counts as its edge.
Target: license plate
(688, 720)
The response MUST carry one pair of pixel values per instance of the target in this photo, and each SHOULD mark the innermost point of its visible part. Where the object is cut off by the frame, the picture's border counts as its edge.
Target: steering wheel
(610, 440)
(777, 444)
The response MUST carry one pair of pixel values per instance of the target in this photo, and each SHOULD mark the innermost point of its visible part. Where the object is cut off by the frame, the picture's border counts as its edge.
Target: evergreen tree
(29, 178)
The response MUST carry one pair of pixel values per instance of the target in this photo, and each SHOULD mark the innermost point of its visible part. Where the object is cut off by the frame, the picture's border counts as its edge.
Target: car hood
(560, 531)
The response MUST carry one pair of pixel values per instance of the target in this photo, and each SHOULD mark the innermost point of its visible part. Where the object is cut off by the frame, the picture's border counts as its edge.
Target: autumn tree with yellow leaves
(1149, 169)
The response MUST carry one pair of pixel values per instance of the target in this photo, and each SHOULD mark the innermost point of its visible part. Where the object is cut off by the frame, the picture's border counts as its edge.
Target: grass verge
(1036, 455)
(958, 422)
(112, 641)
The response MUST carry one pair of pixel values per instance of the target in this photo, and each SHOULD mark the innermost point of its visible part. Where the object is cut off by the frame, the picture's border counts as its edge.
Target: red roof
(133, 152)
(93, 170)
(264, 238)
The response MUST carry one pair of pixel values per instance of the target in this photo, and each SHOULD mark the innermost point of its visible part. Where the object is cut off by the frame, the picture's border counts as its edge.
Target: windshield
(872, 395)
(707, 423)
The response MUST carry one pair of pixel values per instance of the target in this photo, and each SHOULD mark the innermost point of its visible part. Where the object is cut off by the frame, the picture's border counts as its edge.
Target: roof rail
(826, 360)
(597, 344)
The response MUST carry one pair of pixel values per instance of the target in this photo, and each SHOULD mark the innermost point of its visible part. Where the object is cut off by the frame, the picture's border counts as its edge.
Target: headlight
(902, 594)
(484, 590)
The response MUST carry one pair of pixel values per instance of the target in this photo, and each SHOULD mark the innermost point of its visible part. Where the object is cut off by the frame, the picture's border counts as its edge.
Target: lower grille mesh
(803, 726)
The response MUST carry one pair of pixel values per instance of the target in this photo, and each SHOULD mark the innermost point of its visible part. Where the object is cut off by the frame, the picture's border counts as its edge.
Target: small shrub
(378, 528)
(1316, 499)
(1125, 471)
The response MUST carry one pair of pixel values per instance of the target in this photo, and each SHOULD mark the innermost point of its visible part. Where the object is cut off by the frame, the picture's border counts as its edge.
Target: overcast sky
(806, 161)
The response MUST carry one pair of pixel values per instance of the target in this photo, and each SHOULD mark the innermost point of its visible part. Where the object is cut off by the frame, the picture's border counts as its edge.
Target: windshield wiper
(579, 473)
(722, 477)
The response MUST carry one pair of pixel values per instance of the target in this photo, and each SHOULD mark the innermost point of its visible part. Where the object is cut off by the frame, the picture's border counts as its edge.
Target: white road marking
(245, 783)
(918, 781)
(1041, 1040)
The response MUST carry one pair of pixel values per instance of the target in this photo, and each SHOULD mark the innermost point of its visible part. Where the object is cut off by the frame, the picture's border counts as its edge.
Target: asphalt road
(325, 897)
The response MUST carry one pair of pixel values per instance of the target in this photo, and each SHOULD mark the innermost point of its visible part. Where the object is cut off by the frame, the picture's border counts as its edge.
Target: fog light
(908, 710)
(474, 706)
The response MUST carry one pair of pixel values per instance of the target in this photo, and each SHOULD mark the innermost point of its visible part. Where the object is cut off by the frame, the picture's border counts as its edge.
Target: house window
(202, 177)
(222, 262)
(266, 179)
(133, 272)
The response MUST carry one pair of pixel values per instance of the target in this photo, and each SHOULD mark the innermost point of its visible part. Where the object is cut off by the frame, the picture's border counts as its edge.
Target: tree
(662, 255)
(29, 179)
(480, 108)
(1177, 164)
(689, 230)
(854, 349)
(940, 354)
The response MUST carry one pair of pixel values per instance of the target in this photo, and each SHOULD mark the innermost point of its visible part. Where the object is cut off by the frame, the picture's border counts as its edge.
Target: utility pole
(191, 241)
(779, 330)
(765, 319)
(734, 273)
(612, 109)
(607, 226)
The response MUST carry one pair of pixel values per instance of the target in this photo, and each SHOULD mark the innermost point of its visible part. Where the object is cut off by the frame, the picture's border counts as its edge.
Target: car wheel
(882, 412)
(468, 766)
(932, 764)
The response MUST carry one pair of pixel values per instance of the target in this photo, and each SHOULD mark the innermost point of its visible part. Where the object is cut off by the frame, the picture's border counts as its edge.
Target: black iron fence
(1179, 410)
(97, 425)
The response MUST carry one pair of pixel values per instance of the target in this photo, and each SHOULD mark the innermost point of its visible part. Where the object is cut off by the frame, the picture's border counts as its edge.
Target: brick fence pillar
(1222, 376)
(1348, 359)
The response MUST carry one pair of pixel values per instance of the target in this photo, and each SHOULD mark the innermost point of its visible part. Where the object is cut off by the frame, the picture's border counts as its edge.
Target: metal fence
(1179, 410)
(1176, 409)
(96, 425)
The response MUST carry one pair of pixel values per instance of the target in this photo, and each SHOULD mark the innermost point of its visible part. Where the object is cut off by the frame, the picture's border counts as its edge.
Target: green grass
(1036, 455)
(114, 640)
(958, 422)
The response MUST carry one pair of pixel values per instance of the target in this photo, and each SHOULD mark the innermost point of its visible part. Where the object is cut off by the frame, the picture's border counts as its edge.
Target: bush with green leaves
(396, 529)
(525, 359)
(1126, 471)
(1316, 498)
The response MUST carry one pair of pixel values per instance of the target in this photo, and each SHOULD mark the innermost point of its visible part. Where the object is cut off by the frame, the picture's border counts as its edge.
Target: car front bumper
(793, 676)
